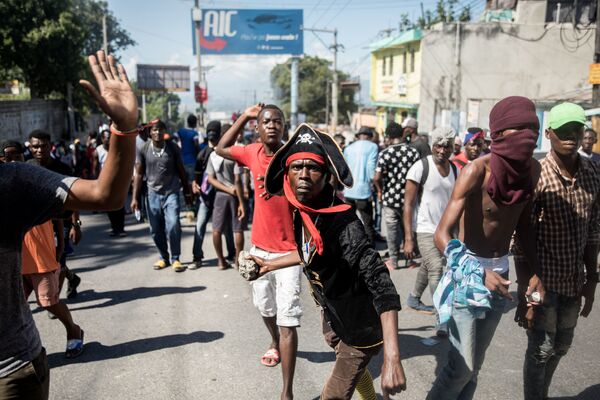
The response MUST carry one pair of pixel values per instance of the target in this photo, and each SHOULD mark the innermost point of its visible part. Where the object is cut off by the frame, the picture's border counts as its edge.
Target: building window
(391, 65)
(383, 66)
(412, 60)
(404, 62)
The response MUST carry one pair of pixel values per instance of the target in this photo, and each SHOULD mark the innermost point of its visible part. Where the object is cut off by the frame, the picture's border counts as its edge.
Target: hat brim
(335, 160)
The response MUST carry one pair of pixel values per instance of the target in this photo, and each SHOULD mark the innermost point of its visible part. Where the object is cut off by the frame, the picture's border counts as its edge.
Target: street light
(197, 18)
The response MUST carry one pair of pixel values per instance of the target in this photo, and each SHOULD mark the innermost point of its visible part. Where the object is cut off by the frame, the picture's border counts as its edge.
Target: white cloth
(102, 154)
(498, 264)
(277, 293)
(436, 194)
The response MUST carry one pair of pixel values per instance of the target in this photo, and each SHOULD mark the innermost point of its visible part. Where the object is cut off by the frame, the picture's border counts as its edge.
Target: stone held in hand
(247, 267)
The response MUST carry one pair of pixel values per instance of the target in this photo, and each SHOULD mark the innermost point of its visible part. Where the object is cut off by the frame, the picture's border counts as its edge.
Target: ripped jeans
(552, 334)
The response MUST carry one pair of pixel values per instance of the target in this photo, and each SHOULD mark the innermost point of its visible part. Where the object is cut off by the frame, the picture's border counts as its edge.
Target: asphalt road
(196, 335)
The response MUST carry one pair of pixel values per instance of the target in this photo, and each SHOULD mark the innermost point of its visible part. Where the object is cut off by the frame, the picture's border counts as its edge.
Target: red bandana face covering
(510, 167)
(305, 211)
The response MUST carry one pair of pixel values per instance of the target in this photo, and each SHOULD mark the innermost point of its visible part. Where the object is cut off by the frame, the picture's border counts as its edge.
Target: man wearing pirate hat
(347, 277)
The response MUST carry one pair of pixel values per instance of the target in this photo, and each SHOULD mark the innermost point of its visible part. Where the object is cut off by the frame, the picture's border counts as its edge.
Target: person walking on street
(347, 277)
(206, 194)
(229, 210)
(188, 137)
(275, 294)
(23, 363)
(160, 162)
(590, 138)
(41, 271)
(362, 159)
(390, 178)
(473, 143)
(117, 218)
(40, 145)
(566, 218)
(410, 128)
(429, 184)
(492, 197)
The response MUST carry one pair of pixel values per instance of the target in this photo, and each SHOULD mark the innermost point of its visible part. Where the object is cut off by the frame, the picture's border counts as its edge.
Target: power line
(339, 12)
(325, 12)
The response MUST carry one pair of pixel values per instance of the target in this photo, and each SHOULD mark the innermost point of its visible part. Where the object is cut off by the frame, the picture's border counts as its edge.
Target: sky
(162, 30)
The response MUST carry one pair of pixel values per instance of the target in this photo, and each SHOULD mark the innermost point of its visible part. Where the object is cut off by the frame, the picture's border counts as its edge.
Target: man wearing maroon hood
(492, 197)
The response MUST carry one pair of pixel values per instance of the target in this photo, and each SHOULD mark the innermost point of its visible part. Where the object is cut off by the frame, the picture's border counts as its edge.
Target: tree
(315, 76)
(157, 106)
(44, 42)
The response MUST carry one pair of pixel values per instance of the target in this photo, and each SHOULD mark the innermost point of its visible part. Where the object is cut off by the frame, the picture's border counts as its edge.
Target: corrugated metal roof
(405, 37)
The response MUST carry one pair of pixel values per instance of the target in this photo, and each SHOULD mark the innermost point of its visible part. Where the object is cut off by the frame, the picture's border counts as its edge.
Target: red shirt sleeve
(241, 154)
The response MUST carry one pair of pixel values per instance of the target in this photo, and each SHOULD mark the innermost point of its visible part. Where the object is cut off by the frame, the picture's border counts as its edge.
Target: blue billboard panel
(250, 32)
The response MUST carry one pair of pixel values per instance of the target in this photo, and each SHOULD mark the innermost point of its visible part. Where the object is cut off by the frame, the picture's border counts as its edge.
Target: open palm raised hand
(115, 96)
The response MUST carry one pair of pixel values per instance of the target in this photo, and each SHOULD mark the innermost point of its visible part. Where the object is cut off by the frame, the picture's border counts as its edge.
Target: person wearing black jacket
(347, 277)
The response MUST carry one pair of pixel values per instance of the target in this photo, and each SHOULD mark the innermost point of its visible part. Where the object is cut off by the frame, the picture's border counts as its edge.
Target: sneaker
(178, 266)
(196, 264)
(441, 330)
(72, 287)
(416, 304)
(160, 264)
(122, 234)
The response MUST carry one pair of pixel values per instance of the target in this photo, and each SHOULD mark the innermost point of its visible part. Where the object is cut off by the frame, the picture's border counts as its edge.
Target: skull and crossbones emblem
(305, 138)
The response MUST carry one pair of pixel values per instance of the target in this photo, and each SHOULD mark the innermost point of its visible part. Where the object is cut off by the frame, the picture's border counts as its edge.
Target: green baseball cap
(565, 113)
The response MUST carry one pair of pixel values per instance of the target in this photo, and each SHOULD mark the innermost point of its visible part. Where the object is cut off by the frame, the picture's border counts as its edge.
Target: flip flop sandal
(74, 347)
(273, 356)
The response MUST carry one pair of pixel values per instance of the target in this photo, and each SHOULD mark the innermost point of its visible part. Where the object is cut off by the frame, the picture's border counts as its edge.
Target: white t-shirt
(436, 194)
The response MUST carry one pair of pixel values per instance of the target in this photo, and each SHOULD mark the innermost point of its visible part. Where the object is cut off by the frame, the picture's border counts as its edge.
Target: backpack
(425, 175)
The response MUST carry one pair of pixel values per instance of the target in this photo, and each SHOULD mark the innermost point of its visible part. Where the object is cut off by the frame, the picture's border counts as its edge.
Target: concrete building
(468, 67)
(396, 77)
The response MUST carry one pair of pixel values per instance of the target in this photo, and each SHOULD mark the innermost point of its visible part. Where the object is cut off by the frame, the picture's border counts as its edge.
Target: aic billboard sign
(250, 32)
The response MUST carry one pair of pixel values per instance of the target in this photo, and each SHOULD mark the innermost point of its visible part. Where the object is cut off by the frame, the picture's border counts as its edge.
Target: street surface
(196, 335)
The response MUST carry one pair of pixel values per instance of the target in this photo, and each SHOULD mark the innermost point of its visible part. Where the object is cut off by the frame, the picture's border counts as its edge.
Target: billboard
(250, 32)
(170, 78)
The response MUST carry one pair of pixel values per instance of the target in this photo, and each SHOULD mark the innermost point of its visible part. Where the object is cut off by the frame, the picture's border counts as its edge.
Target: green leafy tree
(44, 42)
(157, 106)
(315, 76)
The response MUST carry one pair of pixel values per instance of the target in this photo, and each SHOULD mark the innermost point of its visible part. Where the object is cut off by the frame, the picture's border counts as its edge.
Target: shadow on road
(411, 346)
(591, 393)
(123, 296)
(96, 351)
(317, 356)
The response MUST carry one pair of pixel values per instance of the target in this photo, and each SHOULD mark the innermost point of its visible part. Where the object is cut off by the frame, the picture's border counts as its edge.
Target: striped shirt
(566, 218)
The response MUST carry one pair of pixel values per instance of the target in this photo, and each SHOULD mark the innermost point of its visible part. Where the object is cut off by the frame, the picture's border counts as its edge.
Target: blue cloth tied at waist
(463, 284)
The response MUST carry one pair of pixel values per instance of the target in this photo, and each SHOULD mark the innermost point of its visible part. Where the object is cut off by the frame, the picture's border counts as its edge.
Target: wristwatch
(77, 223)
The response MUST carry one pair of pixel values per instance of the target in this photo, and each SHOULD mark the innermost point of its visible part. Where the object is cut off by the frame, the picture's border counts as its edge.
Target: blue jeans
(470, 338)
(552, 334)
(163, 214)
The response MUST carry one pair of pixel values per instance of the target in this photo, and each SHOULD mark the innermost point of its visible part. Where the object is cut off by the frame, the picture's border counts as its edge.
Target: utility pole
(294, 94)
(197, 17)
(335, 83)
(104, 34)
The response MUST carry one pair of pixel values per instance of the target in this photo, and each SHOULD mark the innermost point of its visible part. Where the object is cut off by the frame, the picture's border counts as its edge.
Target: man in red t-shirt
(275, 294)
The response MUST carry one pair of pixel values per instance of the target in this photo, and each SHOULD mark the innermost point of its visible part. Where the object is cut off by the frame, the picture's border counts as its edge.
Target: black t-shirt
(349, 281)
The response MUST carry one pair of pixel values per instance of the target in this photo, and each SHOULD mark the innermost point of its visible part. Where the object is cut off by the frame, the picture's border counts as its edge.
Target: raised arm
(117, 100)
(229, 138)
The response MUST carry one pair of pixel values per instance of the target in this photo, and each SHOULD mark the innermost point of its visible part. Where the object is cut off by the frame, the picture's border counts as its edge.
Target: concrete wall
(19, 118)
(496, 60)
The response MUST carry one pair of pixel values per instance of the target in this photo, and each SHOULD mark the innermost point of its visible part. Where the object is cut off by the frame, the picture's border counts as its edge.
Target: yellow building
(396, 76)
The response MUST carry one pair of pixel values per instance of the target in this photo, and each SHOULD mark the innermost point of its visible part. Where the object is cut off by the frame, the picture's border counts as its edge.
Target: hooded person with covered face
(492, 198)
(347, 277)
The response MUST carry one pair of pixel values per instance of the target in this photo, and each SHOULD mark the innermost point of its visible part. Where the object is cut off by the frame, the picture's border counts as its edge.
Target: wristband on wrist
(115, 131)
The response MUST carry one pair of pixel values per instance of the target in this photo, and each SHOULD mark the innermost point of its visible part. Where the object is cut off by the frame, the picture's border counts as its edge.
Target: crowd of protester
(457, 203)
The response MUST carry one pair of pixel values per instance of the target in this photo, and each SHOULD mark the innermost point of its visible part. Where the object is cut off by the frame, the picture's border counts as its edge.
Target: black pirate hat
(307, 139)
